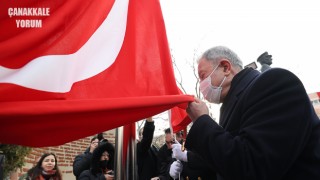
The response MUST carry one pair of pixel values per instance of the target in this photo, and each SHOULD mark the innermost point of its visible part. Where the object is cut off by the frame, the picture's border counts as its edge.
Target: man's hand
(109, 175)
(93, 146)
(196, 109)
(178, 153)
(175, 169)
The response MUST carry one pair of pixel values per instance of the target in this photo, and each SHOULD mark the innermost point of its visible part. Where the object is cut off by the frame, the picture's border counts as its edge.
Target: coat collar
(239, 83)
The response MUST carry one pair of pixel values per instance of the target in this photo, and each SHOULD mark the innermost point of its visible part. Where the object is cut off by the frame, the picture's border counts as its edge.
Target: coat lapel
(239, 84)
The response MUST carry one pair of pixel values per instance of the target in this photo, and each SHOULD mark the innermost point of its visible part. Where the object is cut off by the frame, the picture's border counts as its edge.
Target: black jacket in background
(82, 162)
(96, 172)
(164, 162)
(147, 154)
(87, 175)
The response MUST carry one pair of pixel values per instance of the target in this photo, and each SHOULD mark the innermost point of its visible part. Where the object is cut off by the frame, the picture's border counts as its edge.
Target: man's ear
(226, 66)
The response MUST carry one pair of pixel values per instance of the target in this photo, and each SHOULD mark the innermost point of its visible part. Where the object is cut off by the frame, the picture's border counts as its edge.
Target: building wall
(65, 154)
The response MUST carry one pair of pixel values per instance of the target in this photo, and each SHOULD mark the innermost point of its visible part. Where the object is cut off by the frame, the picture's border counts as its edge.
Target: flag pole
(126, 153)
(171, 129)
(118, 154)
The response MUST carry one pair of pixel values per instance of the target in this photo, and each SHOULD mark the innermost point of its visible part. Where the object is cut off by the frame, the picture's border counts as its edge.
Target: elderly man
(268, 128)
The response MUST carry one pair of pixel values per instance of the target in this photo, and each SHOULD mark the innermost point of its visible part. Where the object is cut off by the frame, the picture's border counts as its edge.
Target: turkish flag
(71, 69)
(179, 119)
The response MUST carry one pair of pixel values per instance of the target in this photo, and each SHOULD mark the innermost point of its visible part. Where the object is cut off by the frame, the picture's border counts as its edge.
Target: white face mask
(211, 93)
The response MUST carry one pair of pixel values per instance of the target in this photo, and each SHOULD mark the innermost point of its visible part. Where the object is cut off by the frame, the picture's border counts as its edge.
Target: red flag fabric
(179, 119)
(70, 69)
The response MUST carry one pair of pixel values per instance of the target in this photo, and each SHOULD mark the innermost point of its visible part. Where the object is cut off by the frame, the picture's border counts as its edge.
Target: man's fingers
(176, 146)
(176, 142)
(197, 100)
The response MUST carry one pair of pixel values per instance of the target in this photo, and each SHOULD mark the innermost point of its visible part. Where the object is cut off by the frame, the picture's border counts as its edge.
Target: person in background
(268, 128)
(179, 136)
(45, 169)
(102, 164)
(2, 158)
(101, 138)
(82, 161)
(165, 155)
(195, 168)
(146, 152)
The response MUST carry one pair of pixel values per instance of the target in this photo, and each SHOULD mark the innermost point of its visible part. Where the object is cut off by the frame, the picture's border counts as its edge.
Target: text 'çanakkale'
(28, 23)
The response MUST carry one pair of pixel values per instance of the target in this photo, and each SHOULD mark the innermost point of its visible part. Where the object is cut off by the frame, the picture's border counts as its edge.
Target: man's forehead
(169, 135)
(204, 65)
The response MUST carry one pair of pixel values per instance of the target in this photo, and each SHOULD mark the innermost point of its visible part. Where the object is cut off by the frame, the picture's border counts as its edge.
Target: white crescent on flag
(45, 73)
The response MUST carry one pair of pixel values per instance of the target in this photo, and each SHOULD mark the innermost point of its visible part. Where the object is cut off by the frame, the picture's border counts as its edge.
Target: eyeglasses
(170, 142)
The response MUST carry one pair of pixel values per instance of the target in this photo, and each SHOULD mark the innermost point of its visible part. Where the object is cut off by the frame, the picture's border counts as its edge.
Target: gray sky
(288, 30)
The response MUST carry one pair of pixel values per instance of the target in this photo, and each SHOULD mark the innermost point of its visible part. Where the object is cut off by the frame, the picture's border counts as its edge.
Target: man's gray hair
(220, 52)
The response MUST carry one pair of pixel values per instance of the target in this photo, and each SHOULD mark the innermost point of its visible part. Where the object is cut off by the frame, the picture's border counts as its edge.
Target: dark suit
(147, 154)
(82, 162)
(196, 168)
(164, 162)
(269, 130)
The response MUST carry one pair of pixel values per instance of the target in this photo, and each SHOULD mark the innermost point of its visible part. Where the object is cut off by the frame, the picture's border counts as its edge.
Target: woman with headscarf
(102, 164)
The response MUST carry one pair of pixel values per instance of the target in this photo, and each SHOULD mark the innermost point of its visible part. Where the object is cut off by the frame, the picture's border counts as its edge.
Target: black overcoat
(268, 130)
(147, 154)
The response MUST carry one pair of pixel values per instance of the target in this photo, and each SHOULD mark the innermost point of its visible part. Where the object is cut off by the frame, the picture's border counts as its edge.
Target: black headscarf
(97, 153)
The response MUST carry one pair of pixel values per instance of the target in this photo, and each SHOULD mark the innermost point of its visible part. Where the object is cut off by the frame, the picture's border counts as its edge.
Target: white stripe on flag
(57, 73)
